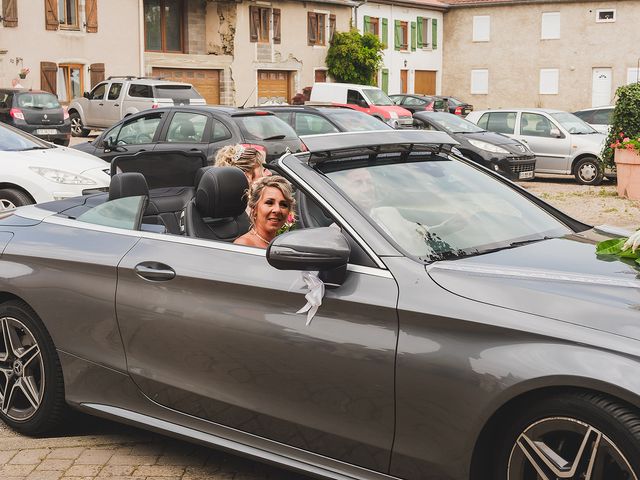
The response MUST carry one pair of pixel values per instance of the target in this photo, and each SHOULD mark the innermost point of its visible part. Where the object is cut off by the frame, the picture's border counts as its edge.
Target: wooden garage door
(273, 85)
(425, 82)
(207, 82)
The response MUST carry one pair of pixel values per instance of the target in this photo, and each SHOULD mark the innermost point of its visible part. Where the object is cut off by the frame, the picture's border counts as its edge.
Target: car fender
(129, 111)
(28, 182)
(78, 105)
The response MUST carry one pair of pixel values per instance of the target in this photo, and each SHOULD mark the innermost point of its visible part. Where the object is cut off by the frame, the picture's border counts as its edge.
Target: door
(601, 87)
(222, 341)
(543, 136)
(404, 81)
(134, 135)
(205, 81)
(112, 104)
(95, 106)
(273, 86)
(425, 82)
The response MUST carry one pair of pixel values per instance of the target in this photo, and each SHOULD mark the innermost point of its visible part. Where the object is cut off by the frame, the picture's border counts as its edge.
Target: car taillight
(154, 105)
(429, 108)
(262, 112)
(458, 111)
(253, 145)
(16, 113)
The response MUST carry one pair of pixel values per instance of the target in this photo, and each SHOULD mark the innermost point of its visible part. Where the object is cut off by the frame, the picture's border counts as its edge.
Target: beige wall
(515, 53)
(292, 54)
(116, 44)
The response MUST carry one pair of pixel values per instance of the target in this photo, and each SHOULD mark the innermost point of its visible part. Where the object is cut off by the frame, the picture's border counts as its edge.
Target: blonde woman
(247, 159)
(271, 203)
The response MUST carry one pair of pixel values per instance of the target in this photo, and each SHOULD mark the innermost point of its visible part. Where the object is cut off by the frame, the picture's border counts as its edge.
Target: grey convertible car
(467, 329)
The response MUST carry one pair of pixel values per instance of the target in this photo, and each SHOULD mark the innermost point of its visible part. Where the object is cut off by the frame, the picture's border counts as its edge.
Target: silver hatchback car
(563, 143)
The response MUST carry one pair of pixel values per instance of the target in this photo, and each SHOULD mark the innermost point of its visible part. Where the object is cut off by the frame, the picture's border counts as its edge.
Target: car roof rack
(133, 77)
(336, 146)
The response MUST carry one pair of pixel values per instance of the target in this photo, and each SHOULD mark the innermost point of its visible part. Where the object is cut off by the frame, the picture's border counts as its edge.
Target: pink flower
(625, 139)
(621, 134)
(291, 218)
(629, 146)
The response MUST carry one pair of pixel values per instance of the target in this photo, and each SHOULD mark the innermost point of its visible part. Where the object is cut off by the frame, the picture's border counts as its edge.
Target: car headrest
(128, 184)
(221, 193)
(199, 174)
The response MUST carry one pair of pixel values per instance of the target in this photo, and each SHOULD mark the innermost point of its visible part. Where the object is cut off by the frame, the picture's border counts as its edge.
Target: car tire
(549, 433)
(32, 387)
(11, 198)
(77, 127)
(588, 171)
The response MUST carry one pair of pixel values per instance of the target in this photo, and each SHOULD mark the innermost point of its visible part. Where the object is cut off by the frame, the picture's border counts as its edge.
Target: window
(605, 15)
(114, 91)
(401, 35)
(260, 23)
(633, 75)
(310, 124)
(143, 91)
(118, 213)
(372, 25)
(316, 25)
(480, 82)
(549, 81)
(501, 122)
(219, 131)
(427, 31)
(138, 131)
(98, 92)
(414, 101)
(163, 21)
(187, 128)
(68, 14)
(550, 29)
(535, 125)
(481, 28)
(71, 81)
(355, 98)
(602, 117)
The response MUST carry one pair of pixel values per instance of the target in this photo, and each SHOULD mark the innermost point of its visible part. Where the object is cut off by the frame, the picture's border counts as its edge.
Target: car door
(545, 138)
(133, 135)
(95, 106)
(222, 341)
(112, 103)
(185, 130)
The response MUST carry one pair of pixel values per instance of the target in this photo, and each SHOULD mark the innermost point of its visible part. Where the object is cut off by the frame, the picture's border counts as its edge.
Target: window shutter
(10, 13)
(413, 36)
(367, 24)
(397, 30)
(276, 25)
(385, 80)
(434, 34)
(419, 33)
(97, 73)
(254, 23)
(332, 26)
(385, 33)
(51, 14)
(312, 22)
(91, 9)
(48, 77)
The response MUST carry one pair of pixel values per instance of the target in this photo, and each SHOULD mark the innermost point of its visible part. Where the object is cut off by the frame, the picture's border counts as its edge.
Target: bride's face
(271, 211)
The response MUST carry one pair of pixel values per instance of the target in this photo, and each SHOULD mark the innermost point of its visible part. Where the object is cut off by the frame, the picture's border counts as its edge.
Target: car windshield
(265, 127)
(377, 96)
(572, 123)
(437, 208)
(14, 140)
(176, 92)
(38, 100)
(352, 121)
(454, 123)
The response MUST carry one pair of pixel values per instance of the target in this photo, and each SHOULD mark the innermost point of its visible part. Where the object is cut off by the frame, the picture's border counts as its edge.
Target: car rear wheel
(577, 436)
(11, 198)
(589, 171)
(77, 127)
(31, 384)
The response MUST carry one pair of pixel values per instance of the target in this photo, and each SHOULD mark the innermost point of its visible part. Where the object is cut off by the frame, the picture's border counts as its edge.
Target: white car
(35, 171)
(598, 117)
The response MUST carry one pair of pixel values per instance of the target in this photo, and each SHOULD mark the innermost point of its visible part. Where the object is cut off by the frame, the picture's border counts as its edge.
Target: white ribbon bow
(314, 295)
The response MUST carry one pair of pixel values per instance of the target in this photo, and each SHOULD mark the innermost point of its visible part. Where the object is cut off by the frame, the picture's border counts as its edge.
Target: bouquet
(24, 71)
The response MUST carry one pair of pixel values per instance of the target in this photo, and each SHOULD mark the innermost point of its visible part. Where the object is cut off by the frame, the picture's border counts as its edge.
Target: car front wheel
(577, 436)
(77, 127)
(12, 198)
(589, 171)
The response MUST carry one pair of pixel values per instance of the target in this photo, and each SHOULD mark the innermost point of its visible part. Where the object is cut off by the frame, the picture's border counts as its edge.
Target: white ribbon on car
(314, 295)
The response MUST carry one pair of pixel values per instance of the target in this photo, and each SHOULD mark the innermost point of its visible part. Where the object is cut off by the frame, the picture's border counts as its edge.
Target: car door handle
(101, 104)
(194, 149)
(155, 271)
(116, 104)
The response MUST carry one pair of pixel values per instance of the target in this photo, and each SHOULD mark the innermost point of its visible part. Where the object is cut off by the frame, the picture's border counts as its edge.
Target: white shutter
(480, 81)
(481, 28)
(550, 26)
(549, 81)
(633, 75)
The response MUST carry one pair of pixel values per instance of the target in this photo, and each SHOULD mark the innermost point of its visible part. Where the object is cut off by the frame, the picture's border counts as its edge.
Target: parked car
(496, 151)
(195, 128)
(456, 106)
(469, 331)
(34, 171)
(419, 103)
(307, 120)
(36, 112)
(598, 117)
(118, 97)
(563, 143)
(364, 98)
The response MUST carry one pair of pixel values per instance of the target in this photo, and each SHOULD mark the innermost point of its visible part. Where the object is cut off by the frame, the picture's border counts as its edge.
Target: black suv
(36, 112)
(196, 129)
(307, 120)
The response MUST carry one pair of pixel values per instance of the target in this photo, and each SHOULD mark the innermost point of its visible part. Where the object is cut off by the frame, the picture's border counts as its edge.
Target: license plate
(46, 131)
(523, 175)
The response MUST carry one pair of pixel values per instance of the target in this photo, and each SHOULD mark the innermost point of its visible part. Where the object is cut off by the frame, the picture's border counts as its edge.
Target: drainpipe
(141, 36)
(355, 12)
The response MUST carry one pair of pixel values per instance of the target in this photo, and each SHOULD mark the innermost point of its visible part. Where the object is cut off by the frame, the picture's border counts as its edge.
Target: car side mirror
(110, 143)
(556, 133)
(324, 249)
(86, 95)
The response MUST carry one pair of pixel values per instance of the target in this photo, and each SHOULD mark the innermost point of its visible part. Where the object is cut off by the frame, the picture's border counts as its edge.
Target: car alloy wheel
(6, 204)
(22, 379)
(77, 127)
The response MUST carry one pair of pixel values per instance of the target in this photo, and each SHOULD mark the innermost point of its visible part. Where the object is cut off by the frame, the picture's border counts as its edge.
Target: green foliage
(613, 247)
(354, 58)
(625, 121)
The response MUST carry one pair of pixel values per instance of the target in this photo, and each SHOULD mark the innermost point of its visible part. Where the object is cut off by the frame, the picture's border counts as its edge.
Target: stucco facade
(584, 66)
(29, 44)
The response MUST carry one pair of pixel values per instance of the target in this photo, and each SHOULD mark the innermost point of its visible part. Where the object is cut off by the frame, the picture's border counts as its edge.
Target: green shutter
(367, 24)
(397, 33)
(434, 34)
(385, 33)
(420, 32)
(413, 36)
(385, 80)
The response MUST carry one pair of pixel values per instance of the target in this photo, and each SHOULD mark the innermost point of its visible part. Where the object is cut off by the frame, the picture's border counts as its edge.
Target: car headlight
(60, 176)
(487, 146)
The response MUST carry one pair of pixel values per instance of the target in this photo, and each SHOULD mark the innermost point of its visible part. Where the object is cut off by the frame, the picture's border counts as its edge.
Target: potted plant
(24, 71)
(627, 158)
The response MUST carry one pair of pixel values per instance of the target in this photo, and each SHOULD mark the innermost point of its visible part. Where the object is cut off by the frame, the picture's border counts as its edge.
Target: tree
(354, 58)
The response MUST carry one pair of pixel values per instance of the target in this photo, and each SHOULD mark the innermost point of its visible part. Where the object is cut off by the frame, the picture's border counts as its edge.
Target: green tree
(626, 119)
(354, 58)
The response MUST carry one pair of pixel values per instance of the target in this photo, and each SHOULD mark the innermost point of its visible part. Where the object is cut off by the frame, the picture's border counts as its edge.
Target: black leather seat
(129, 184)
(218, 210)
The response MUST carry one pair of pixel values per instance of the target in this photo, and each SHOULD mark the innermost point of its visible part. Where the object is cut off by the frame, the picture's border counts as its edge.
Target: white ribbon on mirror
(314, 295)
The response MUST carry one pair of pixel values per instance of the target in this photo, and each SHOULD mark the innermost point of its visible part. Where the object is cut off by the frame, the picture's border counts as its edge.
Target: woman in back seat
(247, 159)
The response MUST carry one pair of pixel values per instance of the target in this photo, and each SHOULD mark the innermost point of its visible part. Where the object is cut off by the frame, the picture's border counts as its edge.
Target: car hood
(590, 140)
(561, 279)
(400, 111)
(61, 158)
(493, 138)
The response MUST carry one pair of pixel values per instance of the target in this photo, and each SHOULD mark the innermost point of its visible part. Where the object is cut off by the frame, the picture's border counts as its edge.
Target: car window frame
(160, 127)
(111, 85)
(101, 84)
(206, 134)
(549, 119)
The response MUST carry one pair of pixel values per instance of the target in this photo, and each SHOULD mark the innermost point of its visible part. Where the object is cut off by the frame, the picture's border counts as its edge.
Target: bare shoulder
(248, 240)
